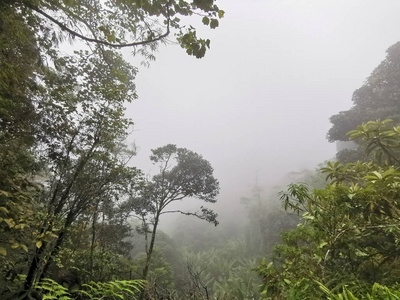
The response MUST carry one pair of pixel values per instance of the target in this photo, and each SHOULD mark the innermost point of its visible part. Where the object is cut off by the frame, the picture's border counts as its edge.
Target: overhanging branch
(94, 40)
(179, 211)
(202, 216)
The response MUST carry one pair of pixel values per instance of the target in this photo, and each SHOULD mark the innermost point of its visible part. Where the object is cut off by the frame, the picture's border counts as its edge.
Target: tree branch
(182, 212)
(195, 214)
(94, 40)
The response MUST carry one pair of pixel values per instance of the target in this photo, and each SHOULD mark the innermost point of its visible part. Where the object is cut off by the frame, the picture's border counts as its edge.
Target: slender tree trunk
(33, 271)
(149, 252)
(93, 237)
(39, 265)
(151, 247)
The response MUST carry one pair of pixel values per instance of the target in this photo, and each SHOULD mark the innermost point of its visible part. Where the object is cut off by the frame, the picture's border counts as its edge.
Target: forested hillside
(78, 219)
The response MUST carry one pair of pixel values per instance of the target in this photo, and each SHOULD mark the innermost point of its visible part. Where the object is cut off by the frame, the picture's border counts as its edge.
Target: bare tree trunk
(149, 252)
(151, 247)
(93, 237)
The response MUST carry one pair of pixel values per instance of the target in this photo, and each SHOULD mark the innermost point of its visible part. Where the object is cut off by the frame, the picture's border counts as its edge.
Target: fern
(118, 289)
(52, 290)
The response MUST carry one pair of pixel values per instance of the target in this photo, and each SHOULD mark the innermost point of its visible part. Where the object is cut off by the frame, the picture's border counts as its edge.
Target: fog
(258, 105)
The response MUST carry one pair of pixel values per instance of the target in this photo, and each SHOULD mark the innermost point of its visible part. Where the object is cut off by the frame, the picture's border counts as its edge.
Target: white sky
(260, 101)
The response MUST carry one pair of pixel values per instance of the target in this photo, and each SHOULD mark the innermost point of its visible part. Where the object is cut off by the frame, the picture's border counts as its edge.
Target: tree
(82, 129)
(79, 143)
(378, 98)
(350, 230)
(18, 64)
(183, 174)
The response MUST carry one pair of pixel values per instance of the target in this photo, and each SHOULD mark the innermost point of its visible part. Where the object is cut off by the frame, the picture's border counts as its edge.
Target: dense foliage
(66, 185)
(378, 98)
(349, 234)
(70, 199)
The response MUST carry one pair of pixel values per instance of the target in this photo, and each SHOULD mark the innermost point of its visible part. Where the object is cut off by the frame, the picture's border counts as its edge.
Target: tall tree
(183, 174)
(81, 132)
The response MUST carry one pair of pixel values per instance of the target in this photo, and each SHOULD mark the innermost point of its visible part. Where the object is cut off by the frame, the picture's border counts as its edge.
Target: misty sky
(260, 101)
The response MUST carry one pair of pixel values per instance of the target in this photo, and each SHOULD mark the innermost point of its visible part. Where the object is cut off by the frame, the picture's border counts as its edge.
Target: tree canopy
(119, 24)
(378, 98)
(183, 174)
